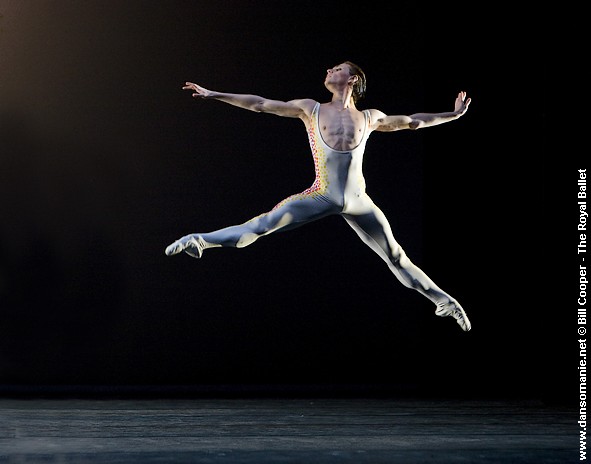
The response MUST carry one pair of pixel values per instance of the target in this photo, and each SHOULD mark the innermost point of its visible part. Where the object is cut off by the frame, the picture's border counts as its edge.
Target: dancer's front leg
(234, 236)
(290, 214)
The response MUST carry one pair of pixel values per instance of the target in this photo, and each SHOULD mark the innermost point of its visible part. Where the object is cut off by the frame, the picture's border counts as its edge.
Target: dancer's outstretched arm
(291, 109)
(383, 123)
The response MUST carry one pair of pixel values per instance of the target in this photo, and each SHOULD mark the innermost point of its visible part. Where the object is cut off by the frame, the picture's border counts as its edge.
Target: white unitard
(339, 188)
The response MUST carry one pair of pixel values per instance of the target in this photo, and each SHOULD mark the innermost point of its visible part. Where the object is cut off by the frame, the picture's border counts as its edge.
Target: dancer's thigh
(295, 212)
(373, 228)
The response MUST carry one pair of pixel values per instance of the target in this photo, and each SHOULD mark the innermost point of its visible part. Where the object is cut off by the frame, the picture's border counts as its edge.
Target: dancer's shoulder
(306, 105)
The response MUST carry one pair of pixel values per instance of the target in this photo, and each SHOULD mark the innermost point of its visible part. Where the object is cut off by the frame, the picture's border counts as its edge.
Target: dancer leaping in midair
(337, 132)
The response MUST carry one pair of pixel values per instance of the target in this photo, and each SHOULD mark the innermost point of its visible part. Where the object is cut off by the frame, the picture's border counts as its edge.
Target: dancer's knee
(246, 239)
(285, 220)
(399, 258)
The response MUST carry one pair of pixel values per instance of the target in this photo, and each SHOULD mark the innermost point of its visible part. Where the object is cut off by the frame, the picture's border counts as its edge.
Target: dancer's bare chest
(341, 129)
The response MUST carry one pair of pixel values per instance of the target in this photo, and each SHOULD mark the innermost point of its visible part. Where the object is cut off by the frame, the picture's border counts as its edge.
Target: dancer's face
(338, 74)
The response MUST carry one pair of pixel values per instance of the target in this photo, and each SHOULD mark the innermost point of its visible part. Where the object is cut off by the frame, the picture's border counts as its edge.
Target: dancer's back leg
(374, 229)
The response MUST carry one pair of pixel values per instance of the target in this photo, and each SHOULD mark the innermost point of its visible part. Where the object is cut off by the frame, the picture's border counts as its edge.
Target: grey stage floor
(278, 430)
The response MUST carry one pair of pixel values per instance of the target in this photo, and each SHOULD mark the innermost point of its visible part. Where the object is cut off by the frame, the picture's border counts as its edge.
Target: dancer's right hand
(200, 92)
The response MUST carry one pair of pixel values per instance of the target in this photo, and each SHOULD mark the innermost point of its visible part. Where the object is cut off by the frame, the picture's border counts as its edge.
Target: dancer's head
(346, 74)
(360, 84)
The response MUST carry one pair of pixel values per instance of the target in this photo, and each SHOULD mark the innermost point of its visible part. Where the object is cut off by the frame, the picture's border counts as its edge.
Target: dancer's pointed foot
(453, 308)
(193, 245)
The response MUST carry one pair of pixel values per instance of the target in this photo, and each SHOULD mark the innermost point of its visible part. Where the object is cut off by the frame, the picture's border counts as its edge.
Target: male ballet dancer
(337, 133)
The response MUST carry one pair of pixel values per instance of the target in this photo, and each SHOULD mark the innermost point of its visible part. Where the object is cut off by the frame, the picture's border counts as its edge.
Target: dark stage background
(105, 161)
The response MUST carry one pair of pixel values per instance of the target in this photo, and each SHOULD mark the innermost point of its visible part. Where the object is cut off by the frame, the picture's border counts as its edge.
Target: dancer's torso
(339, 175)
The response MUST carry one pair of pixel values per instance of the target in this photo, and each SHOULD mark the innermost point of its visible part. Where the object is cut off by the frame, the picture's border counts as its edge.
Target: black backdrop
(105, 161)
